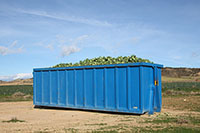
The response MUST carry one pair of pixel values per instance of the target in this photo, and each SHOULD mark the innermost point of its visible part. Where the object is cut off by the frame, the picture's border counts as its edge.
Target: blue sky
(43, 33)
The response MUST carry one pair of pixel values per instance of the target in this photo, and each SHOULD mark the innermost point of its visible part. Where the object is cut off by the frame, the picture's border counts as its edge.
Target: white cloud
(66, 45)
(8, 31)
(81, 38)
(50, 46)
(11, 49)
(14, 44)
(66, 18)
(176, 57)
(61, 39)
(194, 54)
(68, 50)
(135, 39)
(17, 76)
(45, 45)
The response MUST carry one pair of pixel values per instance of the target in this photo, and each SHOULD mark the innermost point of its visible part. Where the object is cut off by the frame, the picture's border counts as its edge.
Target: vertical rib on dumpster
(94, 86)
(116, 88)
(153, 90)
(141, 95)
(129, 88)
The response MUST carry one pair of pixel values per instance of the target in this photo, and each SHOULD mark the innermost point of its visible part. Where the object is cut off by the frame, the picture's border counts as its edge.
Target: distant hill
(180, 74)
(17, 82)
(1, 82)
(168, 75)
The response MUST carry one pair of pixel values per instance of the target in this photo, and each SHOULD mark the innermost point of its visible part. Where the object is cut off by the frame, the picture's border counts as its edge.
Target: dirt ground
(63, 120)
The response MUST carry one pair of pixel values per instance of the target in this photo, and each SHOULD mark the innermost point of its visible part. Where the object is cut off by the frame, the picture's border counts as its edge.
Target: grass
(10, 90)
(16, 93)
(111, 131)
(41, 132)
(14, 99)
(71, 130)
(14, 120)
(163, 122)
(166, 118)
(166, 130)
(180, 89)
(152, 130)
(181, 79)
(97, 124)
(181, 86)
(147, 129)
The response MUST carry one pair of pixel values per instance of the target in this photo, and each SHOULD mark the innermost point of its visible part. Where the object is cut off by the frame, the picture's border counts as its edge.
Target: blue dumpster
(129, 88)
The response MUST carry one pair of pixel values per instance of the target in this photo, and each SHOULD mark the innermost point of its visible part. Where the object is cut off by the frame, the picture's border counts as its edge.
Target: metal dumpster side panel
(118, 88)
(148, 77)
(147, 81)
(158, 93)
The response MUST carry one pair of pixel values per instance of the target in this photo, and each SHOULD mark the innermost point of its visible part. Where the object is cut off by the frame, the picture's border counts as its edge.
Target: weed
(96, 124)
(14, 120)
(40, 132)
(71, 130)
(111, 131)
(193, 119)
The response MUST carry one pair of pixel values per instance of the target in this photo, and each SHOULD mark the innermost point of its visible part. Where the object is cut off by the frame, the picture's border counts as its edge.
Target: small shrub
(14, 120)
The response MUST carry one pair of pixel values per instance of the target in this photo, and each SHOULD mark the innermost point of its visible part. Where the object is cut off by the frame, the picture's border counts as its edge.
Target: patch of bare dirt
(64, 120)
(187, 103)
(52, 120)
(18, 94)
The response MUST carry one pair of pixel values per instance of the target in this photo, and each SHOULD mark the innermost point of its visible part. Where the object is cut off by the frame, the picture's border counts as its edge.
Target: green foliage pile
(105, 61)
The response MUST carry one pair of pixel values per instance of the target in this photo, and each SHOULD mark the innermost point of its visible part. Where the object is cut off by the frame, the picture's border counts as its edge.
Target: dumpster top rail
(100, 66)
